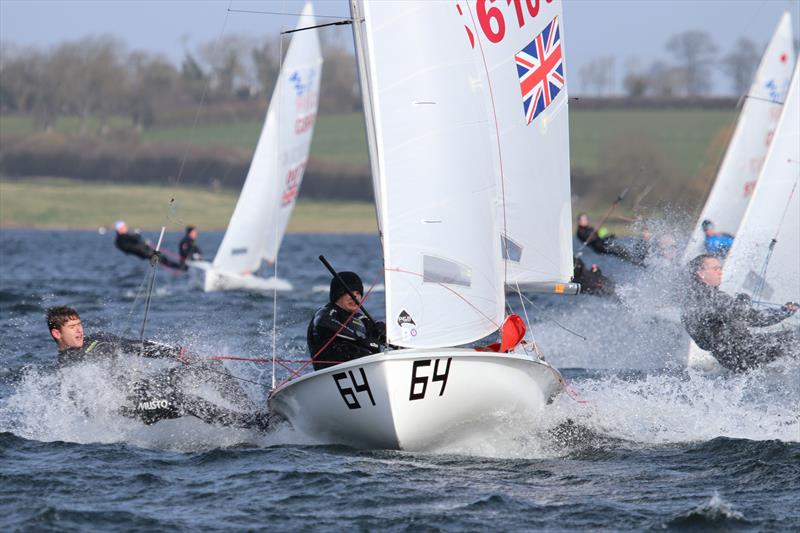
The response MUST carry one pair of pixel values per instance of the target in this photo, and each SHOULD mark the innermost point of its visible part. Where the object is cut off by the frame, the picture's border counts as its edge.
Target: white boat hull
(415, 399)
(216, 280)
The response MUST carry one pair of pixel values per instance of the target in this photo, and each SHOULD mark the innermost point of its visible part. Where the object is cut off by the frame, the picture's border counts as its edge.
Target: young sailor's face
(70, 335)
(347, 303)
(711, 273)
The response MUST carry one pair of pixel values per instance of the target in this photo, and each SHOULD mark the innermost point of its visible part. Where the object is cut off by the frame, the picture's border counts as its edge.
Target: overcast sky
(622, 28)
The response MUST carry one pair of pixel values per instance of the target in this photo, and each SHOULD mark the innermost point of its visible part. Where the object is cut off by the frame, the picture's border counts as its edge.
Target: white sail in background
(528, 99)
(268, 195)
(736, 179)
(435, 185)
(773, 213)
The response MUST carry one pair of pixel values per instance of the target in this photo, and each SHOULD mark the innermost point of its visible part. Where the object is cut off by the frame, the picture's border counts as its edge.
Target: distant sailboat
(736, 179)
(764, 262)
(443, 120)
(270, 190)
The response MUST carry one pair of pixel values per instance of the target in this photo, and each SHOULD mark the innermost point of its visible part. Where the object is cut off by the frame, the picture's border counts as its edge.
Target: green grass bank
(70, 204)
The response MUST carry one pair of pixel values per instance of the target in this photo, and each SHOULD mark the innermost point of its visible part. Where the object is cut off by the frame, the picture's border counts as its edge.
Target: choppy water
(656, 446)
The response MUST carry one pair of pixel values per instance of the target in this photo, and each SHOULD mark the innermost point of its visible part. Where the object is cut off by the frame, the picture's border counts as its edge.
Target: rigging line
(282, 13)
(603, 220)
(343, 22)
(527, 320)
(136, 297)
(278, 94)
(455, 292)
(556, 322)
(199, 109)
(154, 260)
(762, 99)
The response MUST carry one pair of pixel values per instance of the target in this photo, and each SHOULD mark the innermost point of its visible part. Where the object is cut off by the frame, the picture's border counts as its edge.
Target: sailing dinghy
(445, 110)
(764, 262)
(743, 162)
(270, 190)
(741, 165)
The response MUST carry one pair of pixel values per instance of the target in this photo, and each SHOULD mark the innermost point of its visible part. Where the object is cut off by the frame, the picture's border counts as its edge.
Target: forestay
(435, 185)
(774, 212)
(744, 157)
(270, 190)
(523, 48)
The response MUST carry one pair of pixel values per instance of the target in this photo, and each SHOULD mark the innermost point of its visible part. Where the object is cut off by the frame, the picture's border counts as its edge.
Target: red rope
(294, 374)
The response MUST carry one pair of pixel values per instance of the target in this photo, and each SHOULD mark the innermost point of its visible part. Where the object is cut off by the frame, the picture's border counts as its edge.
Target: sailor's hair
(189, 229)
(58, 316)
(697, 264)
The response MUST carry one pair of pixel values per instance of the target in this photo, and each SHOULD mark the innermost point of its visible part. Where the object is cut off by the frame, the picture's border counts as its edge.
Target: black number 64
(419, 384)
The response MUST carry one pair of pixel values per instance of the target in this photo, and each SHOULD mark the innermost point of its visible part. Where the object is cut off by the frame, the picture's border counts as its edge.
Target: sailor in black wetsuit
(720, 323)
(132, 244)
(158, 397)
(345, 340)
(591, 279)
(188, 248)
(603, 243)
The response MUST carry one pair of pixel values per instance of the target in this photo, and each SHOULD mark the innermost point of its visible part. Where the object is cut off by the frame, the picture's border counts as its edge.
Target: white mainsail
(435, 187)
(737, 175)
(528, 99)
(268, 195)
(764, 261)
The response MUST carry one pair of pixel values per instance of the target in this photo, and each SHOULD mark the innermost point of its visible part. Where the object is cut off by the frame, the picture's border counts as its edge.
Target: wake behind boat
(451, 239)
(270, 190)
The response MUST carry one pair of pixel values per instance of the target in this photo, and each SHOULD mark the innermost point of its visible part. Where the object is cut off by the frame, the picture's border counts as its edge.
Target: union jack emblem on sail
(540, 67)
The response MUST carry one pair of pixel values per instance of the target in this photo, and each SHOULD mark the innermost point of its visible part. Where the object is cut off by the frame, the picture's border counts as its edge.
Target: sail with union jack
(540, 68)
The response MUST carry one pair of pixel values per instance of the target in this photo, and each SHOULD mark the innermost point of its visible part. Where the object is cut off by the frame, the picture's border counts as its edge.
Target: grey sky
(622, 28)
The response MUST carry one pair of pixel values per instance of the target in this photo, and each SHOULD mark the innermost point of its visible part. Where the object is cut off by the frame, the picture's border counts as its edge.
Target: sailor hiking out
(160, 396)
(721, 324)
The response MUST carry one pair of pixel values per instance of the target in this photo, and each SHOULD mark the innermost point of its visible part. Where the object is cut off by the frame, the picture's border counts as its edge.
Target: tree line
(695, 59)
(99, 78)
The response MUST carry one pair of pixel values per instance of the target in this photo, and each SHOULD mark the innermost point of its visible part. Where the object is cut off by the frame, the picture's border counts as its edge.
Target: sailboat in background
(442, 125)
(738, 173)
(743, 162)
(270, 190)
(764, 261)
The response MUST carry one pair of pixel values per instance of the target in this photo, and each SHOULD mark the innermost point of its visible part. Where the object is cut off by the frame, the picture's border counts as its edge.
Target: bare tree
(741, 64)
(597, 76)
(154, 88)
(664, 80)
(635, 82)
(695, 51)
(226, 59)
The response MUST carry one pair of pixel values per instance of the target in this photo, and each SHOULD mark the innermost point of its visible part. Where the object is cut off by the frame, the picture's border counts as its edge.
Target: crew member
(188, 248)
(717, 244)
(133, 244)
(592, 280)
(720, 323)
(158, 397)
(603, 242)
(340, 328)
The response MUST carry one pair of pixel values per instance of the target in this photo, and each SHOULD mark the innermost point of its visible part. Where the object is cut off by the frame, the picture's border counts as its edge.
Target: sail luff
(365, 83)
